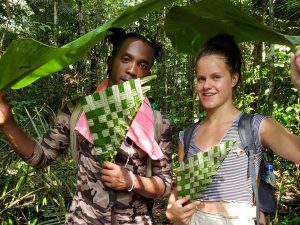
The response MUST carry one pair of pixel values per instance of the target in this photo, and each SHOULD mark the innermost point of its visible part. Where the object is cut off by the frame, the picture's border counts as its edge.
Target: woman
(228, 199)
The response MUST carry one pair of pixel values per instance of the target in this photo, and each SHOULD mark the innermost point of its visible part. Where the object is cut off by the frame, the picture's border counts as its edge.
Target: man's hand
(181, 214)
(5, 112)
(115, 177)
(295, 69)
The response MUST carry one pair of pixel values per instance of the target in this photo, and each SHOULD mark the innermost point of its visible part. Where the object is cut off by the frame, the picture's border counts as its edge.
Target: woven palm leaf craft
(196, 173)
(110, 112)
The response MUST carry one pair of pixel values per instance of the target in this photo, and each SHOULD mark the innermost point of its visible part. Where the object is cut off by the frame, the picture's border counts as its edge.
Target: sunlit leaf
(189, 27)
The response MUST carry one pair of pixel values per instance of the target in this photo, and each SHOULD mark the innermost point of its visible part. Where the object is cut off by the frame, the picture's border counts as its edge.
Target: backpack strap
(158, 124)
(76, 112)
(188, 133)
(158, 129)
(248, 143)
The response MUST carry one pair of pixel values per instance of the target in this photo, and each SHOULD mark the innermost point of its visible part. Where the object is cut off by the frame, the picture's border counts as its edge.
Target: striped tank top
(232, 182)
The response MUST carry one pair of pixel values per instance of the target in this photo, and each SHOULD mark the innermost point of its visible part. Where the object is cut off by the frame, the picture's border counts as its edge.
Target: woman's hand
(180, 214)
(295, 69)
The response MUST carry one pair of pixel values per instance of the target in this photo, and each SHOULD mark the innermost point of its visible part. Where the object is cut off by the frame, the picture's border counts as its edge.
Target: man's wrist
(8, 125)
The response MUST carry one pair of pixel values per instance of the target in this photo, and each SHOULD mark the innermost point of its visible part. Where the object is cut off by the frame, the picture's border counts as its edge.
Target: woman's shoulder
(257, 119)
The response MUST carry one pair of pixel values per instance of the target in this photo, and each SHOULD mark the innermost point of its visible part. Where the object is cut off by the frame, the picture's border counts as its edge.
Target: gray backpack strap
(158, 126)
(247, 140)
(76, 112)
(158, 129)
(188, 133)
(149, 167)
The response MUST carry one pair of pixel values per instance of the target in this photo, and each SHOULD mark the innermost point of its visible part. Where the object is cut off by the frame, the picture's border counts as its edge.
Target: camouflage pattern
(90, 202)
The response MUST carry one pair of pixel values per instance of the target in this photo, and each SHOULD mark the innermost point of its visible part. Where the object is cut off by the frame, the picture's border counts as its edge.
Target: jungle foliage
(29, 196)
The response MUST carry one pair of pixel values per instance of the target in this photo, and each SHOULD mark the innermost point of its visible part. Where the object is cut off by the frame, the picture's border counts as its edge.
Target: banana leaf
(189, 27)
(27, 60)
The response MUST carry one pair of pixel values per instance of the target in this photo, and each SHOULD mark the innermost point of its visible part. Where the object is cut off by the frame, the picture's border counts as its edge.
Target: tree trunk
(190, 74)
(93, 69)
(8, 16)
(55, 22)
(80, 65)
(271, 69)
(272, 72)
(81, 29)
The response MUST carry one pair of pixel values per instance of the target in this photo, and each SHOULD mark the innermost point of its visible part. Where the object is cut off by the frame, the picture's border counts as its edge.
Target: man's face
(133, 60)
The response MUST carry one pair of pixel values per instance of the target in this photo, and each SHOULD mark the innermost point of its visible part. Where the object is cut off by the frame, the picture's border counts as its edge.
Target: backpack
(264, 193)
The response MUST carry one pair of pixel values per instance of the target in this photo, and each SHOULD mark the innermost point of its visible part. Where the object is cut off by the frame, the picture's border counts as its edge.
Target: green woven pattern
(196, 173)
(110, 113)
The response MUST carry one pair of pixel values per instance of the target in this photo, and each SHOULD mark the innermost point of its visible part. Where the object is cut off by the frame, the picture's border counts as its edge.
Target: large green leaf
(189, 27)
(27, 60)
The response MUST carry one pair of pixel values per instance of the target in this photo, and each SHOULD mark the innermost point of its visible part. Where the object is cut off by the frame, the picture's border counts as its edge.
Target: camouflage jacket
(91, 199)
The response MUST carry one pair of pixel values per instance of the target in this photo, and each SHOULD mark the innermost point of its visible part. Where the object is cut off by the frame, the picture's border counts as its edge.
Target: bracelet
(132, 181)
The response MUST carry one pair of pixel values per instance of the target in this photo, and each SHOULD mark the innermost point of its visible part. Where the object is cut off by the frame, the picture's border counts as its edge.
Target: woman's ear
(235, 79)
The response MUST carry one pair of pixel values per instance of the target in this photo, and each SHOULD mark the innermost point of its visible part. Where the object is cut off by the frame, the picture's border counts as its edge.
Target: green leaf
(27, 60)
(189, 27)
(110, 113)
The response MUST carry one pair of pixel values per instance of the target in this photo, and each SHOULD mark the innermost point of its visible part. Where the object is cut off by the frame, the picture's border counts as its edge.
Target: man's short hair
(119, 35)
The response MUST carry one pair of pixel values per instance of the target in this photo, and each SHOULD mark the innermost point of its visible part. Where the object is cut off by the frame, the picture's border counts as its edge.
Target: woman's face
(214, 81)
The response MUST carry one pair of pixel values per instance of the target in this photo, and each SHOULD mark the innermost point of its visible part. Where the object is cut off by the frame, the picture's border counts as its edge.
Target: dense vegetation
(28, 196)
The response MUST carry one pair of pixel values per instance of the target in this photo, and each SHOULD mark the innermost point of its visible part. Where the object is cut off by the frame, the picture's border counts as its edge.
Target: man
(132, 57)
